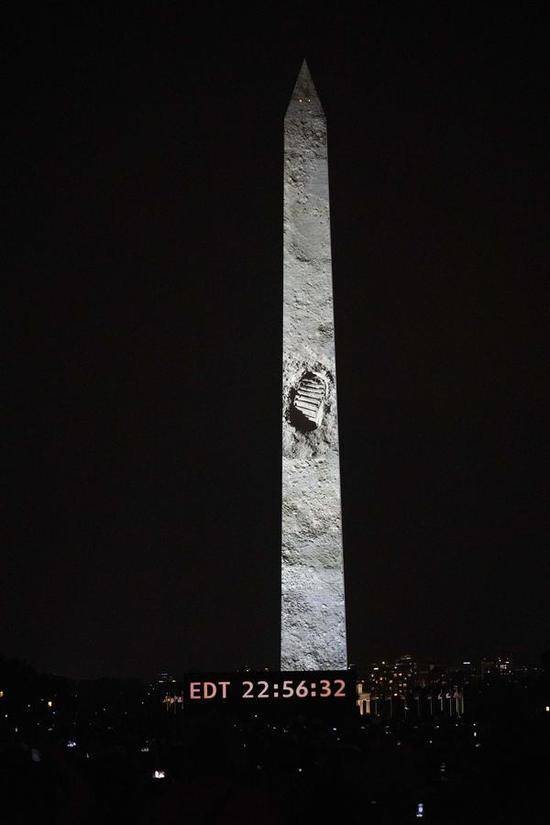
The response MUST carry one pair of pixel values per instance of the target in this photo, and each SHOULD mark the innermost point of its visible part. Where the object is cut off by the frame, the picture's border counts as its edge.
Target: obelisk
(313, 620)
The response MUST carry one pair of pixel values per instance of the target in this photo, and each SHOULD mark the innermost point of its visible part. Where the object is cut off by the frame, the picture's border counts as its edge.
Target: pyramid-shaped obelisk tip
(304, 94)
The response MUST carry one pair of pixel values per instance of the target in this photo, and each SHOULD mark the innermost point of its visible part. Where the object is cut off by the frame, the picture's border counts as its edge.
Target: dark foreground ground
(91, 757)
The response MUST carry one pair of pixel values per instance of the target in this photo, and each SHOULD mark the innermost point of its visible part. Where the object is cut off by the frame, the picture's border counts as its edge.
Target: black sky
(144, 261)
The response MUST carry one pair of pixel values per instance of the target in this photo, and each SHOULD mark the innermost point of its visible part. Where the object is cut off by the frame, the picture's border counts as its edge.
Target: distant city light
(71, 743)
(159, 775)
(420, 810)
(50, 703)
(145, 749)
(547, 708)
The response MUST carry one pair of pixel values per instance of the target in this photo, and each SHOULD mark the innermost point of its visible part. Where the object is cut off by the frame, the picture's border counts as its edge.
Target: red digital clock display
(291, 689)
(321, 686)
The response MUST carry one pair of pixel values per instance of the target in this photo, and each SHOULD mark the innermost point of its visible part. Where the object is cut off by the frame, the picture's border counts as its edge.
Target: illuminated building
(403, 690)
(499, 667)
(363, 700)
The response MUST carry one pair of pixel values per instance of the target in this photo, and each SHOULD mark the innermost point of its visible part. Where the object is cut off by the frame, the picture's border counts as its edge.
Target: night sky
(144, 265)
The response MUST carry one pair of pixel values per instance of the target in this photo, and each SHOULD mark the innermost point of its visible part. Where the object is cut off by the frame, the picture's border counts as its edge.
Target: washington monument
(313, 617)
